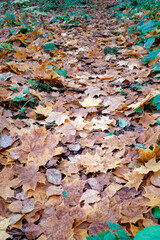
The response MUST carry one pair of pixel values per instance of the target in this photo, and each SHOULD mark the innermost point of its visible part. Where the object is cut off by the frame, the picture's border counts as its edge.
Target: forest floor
(79, 125)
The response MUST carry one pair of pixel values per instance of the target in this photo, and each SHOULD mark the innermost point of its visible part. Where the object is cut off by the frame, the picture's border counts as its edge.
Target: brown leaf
(147, 154)
(39, 147)
(6, 182)
(29, 176)
(90, 196)
(147, 119)
(91, 102)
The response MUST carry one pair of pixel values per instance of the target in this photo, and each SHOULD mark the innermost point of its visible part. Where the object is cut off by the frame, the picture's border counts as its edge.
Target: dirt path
(80, 155)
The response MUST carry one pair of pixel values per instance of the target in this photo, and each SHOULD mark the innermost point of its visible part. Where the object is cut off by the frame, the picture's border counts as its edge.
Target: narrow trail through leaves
(79, 127)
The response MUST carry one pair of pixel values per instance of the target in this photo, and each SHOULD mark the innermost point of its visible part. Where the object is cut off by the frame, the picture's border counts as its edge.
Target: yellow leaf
(91, 102)
(3, 226)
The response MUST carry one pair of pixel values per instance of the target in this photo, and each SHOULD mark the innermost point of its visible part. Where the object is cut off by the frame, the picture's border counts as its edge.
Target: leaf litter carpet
(80, 155)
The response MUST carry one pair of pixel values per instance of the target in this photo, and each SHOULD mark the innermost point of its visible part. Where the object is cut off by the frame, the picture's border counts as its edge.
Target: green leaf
(140, 145)
(23, 109)
(157, 68)
(149, 233)
(51, 122)
(158, 122)
(151, 56)
(109, 50)
(26, 91)
(113, 226)
(65, 193)
(36, 12)
(11, 31)
(32, 99)
(48, 67)
(123, 92)
(148, 26)
(139, 110)
(62, 72)
(156, 102)
(110, 236)
(13, 88)
(123, 235)
(109, 134)
(149, 42)
(102, 235)
(156, 212)
(94, 237)
(49, 46)
(7, 46)
(18, 98)
(122, 123)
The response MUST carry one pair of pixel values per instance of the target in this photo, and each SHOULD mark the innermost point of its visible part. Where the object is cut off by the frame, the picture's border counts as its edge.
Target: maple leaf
(134, 179)
(90, 196)
(102, 123)
(20, 55)
(66, 129)
(92, 163)
(148, 153)
(155, 179)
(44, 110)
(91, 102)
(152, 194)
(40, 72)
(59, 225)
(74, 188)
(34, 231)
(144, 100)
(29, 176)
(57, 117)
(38, 146)
(6, 182)
(79, 123)
(104, 172)
(3, 226)
(112, 105)
(147, 119)
(133, 209)
(39, 194)
(70, 167)
(149, 166)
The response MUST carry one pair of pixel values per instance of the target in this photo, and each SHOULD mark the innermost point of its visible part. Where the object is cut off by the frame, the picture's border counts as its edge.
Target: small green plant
(156, 212)
(21, 3)
(109, 50)
(155, 102)
(61, 72)
(21, 98)
(137, 86)
(40, 86)
(116, 233)
(7, 46)
(151, 56)
(139, 110)
(71, 19)
(9, 19)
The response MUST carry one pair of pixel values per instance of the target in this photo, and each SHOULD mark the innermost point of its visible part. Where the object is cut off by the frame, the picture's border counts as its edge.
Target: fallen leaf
(3, 226)
(91, 102)
(57, 117)
(5, 141)
(90, 196)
